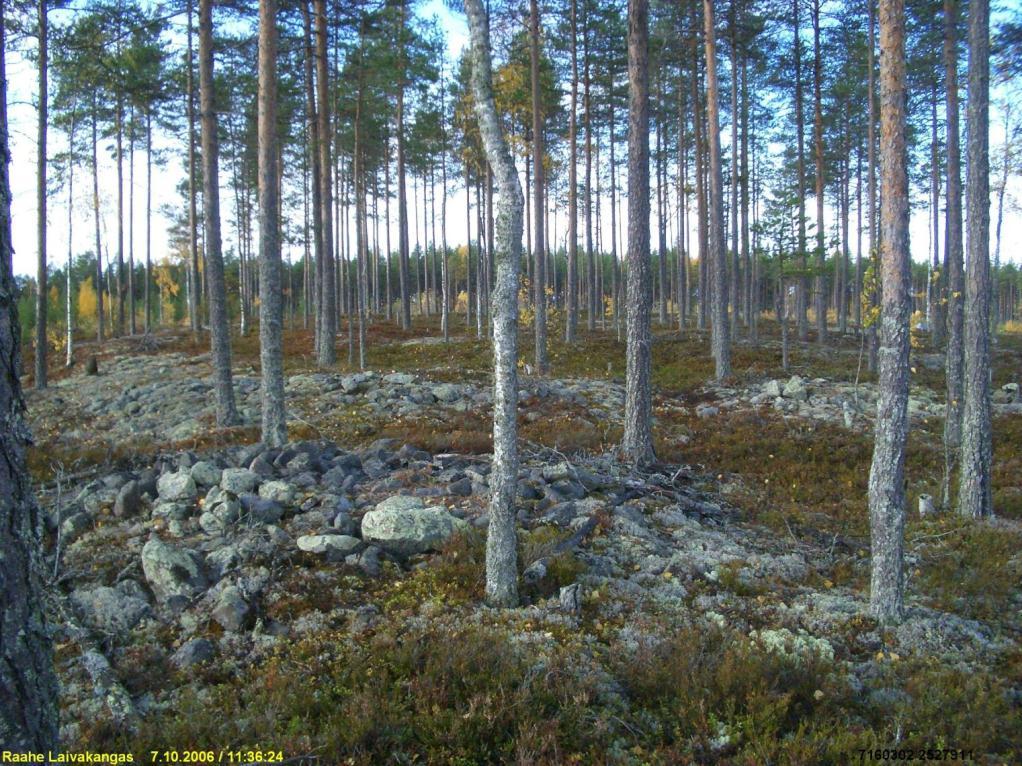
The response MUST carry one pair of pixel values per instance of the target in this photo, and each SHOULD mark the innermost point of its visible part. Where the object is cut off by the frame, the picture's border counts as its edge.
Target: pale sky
(22, 116)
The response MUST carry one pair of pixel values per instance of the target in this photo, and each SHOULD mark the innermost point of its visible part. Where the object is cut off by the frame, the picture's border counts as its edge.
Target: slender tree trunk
(700, 157)
(69, 359)
(402, 203)
(219, 323)
(274, 427)
(936, 302)
(147, 299)
(661, 199)
(445, 277)
(312, 127)
(637, 446)
(539, 275)
(751, 305)
(720, 339)
(119, 152)
(571, 283)
(193, 228)
(802, 285)
(132, 324)
(590, 257)
(95, 212)
(821, 252)
(735, 165)
(327, 354)
(872, 337)
(42, 293)
(887, 473)
(975, 497)
(954, 260)
(501, 553)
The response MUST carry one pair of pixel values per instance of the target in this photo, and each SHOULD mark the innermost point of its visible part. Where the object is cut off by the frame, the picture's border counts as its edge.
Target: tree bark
(28, 686)
(219, 324)
(501, 552)
(974, 491)
(887, 473)
(274, 427)
(637, 446)
(720, 338)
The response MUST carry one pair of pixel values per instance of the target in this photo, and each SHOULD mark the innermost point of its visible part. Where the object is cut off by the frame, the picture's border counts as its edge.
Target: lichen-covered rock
(795, 388)
(403, 525)
(110, 610)
(446, 392)
(278, 491)
(129, 500)
(206, 474)
(172, 571)
(238, 481)
(177, 487)
(334, 546)
(232, 611)
(191, 653)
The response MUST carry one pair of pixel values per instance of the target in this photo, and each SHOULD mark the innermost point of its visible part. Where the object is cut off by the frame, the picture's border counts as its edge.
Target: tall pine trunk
(821, 254)
(327, 354)
(42, 294)
(887, 473)
(637, 446)
(571, 283)
(539, 270)
(954, 266)
(720, 338)
(274, 427)
(974, 490)
(219, 323)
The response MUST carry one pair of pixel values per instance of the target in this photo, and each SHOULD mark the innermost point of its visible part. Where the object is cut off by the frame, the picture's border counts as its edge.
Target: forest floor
(210, 593)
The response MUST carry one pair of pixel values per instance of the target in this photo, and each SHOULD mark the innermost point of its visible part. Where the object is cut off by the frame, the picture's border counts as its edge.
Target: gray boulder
(446, 392)
(239, 480)
(109, 610)
(278, 491)
(403, 525)
(232, 611)
(795, 388)
(171, 571)
(334, 546)
(129, 500)
(177, 487)
(191, 653)
(74, 526)
(206, 474)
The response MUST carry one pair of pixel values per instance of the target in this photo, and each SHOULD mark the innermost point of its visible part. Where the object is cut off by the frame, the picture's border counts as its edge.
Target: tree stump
(92, 365)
